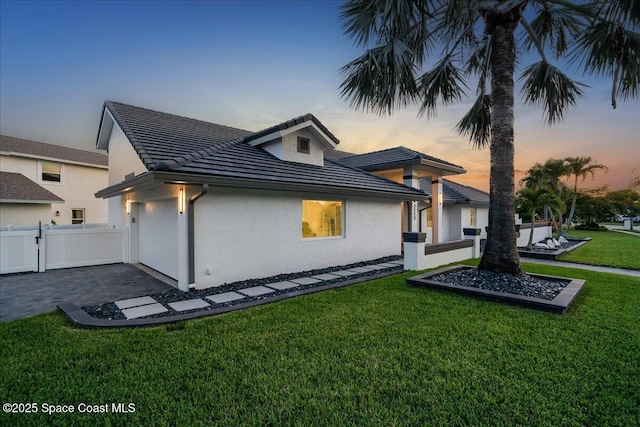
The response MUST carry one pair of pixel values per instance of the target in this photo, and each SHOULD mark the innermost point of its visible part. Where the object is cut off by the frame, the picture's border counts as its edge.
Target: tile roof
(390, 158)
(291, 123)
(456, 193)
(19, 146)
(16, 187)
(169, 143)
(166, 138)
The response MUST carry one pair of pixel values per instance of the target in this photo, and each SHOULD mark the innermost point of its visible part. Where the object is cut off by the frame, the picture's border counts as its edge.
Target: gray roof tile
(40, 149)
(389, 158)
(456, 193)
(17, 187)
(191, 146)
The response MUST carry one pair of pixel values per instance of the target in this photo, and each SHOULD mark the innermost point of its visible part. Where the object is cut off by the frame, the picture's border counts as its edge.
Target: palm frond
(476, 124)
(556, 27)
(381, 78)
(443, 82)
(546, 85)
(608, 48)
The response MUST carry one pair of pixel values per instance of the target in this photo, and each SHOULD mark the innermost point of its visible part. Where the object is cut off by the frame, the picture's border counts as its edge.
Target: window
(304, 145)
(322, 218)
(77, 216)
(472, 217)
(51, 172)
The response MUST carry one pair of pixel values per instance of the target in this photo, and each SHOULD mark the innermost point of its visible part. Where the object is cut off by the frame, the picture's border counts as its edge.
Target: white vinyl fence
(48, 248)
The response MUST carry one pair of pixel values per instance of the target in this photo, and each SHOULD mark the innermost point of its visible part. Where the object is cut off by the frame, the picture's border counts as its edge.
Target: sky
(252, 65)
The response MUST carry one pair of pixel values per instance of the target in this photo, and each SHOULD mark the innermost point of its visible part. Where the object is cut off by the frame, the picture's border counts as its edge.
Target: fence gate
(19, 251)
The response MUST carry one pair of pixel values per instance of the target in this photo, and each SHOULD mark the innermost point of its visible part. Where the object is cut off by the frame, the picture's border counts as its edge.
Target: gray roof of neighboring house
(18, 146)
(457, 193)
(392, 158)
(15, 187)
(204, 152)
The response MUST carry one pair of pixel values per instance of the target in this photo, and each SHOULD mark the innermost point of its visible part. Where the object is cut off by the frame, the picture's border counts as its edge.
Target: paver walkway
(136, 310)
(23, 295)
(612, 270)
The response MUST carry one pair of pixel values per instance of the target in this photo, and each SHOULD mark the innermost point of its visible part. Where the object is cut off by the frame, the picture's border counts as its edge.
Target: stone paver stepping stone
(305, 281)
(362, 269)
(385, 265)
(144, 310)
(283, 285)
(397, 262)
(190, 304)
(325, 276)
(344, 273)
(134, 302)
(256, 291)
(225, 297)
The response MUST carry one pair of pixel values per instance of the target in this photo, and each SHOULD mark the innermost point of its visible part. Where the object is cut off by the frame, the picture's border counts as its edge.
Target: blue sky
(251, 65)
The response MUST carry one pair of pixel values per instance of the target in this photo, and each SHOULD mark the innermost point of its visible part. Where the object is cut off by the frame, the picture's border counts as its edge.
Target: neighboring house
(46, 183)
(208, 204)
(456, 206)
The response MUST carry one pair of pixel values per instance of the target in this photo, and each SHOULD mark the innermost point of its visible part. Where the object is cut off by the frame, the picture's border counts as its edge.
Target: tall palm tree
(478, 37)
(534, 199)
(579, 167)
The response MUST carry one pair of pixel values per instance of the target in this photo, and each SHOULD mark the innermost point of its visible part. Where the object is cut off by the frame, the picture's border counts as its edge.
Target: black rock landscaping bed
(553, 253)
(110, 311)
(547, 293)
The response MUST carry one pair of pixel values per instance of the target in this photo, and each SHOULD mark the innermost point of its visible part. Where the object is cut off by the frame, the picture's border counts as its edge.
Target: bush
(592, 226)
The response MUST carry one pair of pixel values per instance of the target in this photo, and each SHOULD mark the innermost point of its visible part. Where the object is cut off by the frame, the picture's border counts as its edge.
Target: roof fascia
(30, 202)
(453, 170)
(325, 139)
(154, 177)
(52, 159)
(104, 130)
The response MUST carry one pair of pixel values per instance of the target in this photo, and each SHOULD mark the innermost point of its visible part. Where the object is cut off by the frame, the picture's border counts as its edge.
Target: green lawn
(379, 353)
(606, 248)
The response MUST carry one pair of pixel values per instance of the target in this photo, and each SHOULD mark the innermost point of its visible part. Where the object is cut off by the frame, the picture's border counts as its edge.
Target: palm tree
(478, 38)
(579, 167)
(548, 176)
(534, 199)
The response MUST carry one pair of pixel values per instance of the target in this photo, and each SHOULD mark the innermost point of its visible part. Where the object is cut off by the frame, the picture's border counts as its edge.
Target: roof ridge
(380, 151)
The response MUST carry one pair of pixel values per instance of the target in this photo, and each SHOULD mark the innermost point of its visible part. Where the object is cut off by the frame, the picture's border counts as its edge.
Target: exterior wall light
(128, 206)
(181, 201)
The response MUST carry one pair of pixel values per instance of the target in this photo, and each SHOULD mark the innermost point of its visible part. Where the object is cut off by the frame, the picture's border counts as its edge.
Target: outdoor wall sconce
(57, 213)
(181, 201)
(128, 206)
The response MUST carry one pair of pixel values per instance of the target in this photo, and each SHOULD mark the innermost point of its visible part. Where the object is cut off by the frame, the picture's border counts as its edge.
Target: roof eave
(155, 177)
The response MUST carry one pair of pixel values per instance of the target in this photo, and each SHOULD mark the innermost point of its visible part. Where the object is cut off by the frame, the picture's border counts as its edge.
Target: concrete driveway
(23, 295)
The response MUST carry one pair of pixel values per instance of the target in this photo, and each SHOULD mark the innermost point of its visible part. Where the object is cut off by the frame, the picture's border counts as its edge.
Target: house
(49, 183)
(447, 208)
(207, 204)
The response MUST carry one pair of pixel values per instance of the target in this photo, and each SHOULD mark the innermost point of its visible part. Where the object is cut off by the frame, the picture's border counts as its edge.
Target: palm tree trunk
(573, 204)
(501, 253)
(533, 223)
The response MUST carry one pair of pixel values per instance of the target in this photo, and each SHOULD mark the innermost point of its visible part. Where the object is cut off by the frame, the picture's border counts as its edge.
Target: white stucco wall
(24, 214)
(123, 159)
(286, 148)
(242, 234)
(78, 185)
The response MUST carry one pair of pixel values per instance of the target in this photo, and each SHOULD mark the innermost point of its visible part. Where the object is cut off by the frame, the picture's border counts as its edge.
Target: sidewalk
(612, 270)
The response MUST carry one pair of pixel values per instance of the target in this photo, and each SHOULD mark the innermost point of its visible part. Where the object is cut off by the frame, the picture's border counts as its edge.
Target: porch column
(437, 204)
(410, 179)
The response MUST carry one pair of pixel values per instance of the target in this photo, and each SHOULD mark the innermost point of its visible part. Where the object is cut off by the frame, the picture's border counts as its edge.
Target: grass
(606, 248)
(377, 353)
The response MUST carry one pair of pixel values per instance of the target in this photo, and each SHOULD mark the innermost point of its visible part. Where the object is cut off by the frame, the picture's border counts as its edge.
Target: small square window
(77, 216)
(304, 145)
(51, 172)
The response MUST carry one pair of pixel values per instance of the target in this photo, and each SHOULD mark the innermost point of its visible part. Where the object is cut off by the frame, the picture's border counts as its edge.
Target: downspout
(191, 234)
